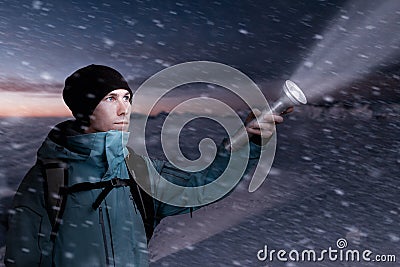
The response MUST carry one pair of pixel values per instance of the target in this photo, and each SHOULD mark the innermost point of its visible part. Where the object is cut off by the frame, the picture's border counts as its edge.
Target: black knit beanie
(86, 87)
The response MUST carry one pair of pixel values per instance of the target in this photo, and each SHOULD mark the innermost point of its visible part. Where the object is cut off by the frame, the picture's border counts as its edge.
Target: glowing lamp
(291, 95)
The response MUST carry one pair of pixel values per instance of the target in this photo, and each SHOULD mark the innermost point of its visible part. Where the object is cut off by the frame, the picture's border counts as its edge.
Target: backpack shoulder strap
(139, 175)
(55, 180)
(56, 183)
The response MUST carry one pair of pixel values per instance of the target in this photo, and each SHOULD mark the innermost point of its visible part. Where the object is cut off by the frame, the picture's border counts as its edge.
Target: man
(94, 214)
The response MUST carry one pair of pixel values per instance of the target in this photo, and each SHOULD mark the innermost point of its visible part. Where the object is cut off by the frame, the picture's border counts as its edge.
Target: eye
(127, 97)
(109, 98)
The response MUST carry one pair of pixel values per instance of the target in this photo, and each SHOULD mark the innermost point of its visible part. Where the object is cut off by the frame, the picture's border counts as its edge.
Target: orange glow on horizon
(27, 104)
(22, 104)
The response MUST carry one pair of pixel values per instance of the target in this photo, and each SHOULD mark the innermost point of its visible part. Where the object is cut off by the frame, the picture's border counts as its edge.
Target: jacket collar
(66, 142)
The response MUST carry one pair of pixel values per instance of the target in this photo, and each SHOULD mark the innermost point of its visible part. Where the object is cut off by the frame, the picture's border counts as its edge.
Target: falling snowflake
(37, 5)
(243, 31)
(308, 64)
(394, 237)
(108, 42)
(69, 255)
(328, 98)
(46, 76)
(318, 37)
(339, 192)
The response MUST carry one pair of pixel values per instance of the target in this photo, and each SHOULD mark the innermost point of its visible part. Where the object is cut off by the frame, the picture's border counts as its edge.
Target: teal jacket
(113, 234)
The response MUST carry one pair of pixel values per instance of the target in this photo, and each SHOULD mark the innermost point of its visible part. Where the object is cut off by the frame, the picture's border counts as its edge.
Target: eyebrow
(114, 94)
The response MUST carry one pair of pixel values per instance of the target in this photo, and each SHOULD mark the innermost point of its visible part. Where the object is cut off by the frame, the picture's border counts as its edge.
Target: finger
(265, 126)
(266, 118)
(257, 112)
(262, 133)
(252, 115)
(271, 118)
(261, 125)
(254, 131)
(266, 134)
(278, 119)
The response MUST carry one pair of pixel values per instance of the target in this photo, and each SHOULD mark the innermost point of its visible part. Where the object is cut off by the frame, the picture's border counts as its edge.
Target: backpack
(56, 190)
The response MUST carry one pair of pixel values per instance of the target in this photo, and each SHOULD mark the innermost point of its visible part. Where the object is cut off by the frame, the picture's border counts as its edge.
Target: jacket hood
(66, 142)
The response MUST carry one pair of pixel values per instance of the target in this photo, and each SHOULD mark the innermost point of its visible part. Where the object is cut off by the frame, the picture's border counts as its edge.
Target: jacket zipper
(103, 231)
(141, 200)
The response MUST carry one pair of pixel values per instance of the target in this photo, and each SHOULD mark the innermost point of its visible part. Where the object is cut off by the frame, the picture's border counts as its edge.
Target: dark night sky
(49, 40)
(42, 42)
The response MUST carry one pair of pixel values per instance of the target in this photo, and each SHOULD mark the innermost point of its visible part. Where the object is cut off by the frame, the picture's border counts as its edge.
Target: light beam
(363, 37)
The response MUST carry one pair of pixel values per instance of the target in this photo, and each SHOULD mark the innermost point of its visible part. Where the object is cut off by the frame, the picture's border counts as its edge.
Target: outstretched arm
(196, 179)
(259, 133)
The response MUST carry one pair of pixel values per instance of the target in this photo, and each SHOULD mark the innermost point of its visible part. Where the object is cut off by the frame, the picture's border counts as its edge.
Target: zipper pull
(101, 220)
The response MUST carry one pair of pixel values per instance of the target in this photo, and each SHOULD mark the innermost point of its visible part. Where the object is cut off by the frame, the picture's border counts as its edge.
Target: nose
(123, 107)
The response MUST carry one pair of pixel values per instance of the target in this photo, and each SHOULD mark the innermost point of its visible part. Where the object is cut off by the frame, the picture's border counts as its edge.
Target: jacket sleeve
(27, 239)
(194, 179)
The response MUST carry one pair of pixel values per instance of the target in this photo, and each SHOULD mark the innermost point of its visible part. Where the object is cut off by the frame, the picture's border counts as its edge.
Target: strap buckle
(115, 182)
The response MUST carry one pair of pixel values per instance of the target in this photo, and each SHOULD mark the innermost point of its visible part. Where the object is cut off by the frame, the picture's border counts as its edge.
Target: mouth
(121, 122)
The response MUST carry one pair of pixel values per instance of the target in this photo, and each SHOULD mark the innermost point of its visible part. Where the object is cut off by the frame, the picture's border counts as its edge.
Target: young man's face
(112, 113)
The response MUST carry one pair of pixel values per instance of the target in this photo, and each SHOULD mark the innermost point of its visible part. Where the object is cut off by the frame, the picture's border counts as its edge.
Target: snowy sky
(48, 40)
(42, 42)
